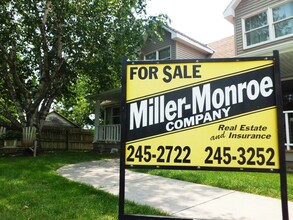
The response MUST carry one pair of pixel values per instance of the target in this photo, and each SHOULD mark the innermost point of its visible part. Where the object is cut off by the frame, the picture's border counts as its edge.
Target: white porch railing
(288, 129)
(109, 133)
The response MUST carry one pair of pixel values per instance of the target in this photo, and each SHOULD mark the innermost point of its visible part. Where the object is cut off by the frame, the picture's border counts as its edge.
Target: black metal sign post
(279, 102)
(226, 102)
(121, 214)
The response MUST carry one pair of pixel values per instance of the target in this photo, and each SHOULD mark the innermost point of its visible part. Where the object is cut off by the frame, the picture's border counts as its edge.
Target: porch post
(287, 129)
(97, 120)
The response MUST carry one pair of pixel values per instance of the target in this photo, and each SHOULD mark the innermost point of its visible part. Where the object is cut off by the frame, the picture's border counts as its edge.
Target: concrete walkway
(176, 197)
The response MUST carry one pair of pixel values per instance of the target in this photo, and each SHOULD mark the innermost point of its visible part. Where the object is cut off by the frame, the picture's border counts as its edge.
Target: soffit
(286, 57)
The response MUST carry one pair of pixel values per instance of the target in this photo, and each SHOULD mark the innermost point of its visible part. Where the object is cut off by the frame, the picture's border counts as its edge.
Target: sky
(201, 20)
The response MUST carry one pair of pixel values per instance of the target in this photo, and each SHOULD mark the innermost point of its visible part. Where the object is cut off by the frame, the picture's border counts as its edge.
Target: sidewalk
(177, 197)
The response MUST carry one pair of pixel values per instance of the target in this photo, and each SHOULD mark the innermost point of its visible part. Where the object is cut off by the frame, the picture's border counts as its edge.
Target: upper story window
(268, 25)
(151, 56)
(163, 54)
(256, 29)
(283, 19)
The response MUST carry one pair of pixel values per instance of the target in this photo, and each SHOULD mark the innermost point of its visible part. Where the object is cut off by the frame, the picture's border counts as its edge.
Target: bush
(11, 134)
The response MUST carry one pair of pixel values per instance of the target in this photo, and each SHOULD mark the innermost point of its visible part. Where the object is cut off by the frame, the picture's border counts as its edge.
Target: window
(151, 56)
(115, 115)
(283, 19)
(112, 115)
(257, 29)
(163, 54)
(268, 25)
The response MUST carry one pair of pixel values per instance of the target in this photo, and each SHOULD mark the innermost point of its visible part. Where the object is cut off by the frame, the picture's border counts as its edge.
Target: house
(174, 45)
(54, 119)
(223, 48)
(262, 26)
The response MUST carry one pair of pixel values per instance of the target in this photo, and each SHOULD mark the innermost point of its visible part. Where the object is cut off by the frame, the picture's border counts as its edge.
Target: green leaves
(47, 46)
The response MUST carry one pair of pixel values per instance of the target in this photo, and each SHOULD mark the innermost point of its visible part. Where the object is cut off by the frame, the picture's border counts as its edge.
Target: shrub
(11, 134)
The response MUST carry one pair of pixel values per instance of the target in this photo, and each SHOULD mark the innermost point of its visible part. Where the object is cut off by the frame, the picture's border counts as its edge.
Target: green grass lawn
(267, 184)
(30, 188)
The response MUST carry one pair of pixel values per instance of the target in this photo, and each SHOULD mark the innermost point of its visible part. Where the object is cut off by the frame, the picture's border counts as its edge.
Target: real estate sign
(211, 114)
(202, 114)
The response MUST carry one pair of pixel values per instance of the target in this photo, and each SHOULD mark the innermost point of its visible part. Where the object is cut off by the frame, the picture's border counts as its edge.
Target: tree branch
(44, 110)
(46, 11)
(10, 76)
(45, 79)
(4, 111)
(13, 71)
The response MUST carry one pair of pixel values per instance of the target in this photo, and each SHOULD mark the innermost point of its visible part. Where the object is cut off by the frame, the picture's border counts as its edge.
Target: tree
(48, 45)
(77, 106)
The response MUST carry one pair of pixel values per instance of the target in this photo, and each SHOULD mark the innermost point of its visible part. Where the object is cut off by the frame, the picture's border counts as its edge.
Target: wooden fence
(66, 139)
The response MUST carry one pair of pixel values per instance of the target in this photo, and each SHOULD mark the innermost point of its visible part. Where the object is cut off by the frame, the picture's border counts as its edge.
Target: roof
(54, 119)
(183, 38)
(113, 93)
(229, 12)
(224, 48)
(107, 98)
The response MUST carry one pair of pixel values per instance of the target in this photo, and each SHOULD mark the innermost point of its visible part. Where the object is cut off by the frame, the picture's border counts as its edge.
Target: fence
(66, 139)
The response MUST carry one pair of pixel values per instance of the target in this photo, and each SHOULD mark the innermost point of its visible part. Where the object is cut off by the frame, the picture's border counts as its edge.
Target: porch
(107, 138)
(109, 133)
(289, 135)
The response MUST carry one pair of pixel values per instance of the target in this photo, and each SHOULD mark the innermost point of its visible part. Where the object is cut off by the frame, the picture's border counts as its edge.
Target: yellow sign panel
(233, 143)
(202, 115)
(147, 79)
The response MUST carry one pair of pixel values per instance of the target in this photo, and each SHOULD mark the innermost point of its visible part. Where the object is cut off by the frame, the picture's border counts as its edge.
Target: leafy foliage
(11, 134)
(76, 107)
(48, 47)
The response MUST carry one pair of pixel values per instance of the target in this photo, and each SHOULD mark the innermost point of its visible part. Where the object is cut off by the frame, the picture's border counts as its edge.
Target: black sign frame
(124, 123)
